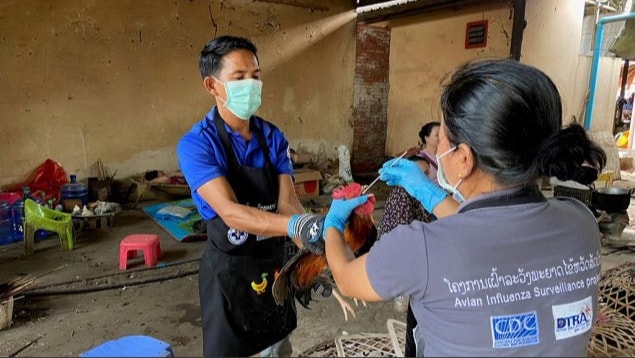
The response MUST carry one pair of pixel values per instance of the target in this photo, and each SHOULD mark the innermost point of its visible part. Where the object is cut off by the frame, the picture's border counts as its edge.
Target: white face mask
(443, 181)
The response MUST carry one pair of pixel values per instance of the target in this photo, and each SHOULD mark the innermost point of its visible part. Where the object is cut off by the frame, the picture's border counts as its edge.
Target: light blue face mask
(443, 180)
(243, 97)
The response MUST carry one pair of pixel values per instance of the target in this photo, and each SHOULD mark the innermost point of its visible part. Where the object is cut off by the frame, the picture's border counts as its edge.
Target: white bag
(345, 171)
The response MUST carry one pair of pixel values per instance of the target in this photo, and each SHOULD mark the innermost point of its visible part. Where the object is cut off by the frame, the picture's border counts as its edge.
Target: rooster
(306, 271)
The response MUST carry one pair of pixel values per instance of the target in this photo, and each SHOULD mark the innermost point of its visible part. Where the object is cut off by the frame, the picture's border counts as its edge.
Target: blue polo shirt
(202, 158)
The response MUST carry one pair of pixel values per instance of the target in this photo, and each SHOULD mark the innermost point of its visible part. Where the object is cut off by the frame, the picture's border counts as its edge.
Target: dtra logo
(515, 330)
(580, 318)
(573, 318)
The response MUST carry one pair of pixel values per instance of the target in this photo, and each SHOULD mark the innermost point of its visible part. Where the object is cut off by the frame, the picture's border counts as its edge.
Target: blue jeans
(280, 349)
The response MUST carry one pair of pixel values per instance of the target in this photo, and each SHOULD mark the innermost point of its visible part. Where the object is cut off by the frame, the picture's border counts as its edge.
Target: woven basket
(364, 345)
(584, 195)
(324, 349)
(397, 333)
(616, 289)
(354, 345)
(613, 335)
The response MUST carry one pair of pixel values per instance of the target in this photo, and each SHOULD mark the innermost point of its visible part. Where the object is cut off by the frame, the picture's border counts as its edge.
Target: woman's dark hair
(209, 61)
(510, 114)
(568, 149)
(426, 129)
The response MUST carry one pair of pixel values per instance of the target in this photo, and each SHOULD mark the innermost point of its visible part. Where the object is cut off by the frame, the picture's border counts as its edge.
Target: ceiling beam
(359, 3)
(411, 8)
(307, 4)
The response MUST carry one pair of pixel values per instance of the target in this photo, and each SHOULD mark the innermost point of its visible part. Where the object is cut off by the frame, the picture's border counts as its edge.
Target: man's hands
(311, 228)
(408, 174)
(340, 211)
(308, 229)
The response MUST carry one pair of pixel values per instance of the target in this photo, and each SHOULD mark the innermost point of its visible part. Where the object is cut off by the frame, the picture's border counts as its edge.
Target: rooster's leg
(345, 305)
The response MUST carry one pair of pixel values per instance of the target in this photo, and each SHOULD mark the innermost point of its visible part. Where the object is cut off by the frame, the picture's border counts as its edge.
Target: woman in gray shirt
(511, 273)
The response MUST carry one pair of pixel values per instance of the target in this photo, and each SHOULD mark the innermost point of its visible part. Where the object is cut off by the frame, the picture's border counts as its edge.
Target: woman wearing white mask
(240, 174)
(425, 153)
(511, 273)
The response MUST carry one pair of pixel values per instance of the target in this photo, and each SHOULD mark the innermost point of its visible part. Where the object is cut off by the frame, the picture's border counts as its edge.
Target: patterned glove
(308, 229)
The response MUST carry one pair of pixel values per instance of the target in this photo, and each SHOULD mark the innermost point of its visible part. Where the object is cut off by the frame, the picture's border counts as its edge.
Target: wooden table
(83, 222)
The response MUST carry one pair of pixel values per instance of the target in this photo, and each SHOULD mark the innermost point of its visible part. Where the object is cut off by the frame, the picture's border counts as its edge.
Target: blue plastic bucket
(6, 223)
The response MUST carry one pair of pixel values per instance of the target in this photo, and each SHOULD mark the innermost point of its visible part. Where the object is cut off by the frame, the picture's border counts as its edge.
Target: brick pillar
(370, 98)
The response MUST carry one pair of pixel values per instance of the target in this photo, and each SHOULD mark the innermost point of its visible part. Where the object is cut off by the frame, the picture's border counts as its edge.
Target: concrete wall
(552, 42)
(118, 80)
(606, 89)
(425, 48)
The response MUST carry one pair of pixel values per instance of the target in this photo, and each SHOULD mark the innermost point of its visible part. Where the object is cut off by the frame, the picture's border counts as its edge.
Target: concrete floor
(70, 323)
(70, 311)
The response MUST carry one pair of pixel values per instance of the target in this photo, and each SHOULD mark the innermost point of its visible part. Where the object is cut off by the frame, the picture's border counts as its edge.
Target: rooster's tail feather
(282, 284)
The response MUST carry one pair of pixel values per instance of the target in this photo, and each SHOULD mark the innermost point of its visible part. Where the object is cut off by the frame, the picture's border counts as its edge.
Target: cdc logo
(515, 330)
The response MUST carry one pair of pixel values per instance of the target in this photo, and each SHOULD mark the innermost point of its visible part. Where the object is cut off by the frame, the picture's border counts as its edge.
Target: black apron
(240, 317)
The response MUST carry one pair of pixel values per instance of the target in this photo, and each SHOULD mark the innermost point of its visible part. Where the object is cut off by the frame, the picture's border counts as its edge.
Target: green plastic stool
(38, 217)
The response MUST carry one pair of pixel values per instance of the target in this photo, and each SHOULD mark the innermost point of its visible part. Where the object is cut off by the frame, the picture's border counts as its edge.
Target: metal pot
(611, 199)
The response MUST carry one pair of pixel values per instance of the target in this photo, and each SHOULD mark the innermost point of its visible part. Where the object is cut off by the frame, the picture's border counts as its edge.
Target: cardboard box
(626, 163)
(307, 183)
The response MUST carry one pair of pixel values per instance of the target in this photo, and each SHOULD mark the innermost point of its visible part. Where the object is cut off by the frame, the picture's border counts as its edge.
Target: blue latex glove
(408, 175)
(340, 211)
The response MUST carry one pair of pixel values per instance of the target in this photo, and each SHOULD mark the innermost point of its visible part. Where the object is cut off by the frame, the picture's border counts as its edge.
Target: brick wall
(370, 98)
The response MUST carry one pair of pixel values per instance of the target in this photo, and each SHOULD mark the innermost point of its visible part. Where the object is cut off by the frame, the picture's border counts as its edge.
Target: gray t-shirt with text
(496, 281)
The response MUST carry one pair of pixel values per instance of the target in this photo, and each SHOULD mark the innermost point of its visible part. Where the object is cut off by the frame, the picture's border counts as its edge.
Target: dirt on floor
(82, 299)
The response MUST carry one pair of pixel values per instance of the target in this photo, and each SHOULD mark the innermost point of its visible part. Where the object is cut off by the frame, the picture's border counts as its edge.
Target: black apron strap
(230, 154)
(524, 195)
(261, 140)
(260, 137)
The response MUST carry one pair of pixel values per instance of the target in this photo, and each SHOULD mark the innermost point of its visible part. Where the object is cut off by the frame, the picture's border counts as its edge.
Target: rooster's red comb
(353, 190)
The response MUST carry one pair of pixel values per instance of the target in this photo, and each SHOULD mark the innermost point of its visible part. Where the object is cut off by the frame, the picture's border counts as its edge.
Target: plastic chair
(38, 217)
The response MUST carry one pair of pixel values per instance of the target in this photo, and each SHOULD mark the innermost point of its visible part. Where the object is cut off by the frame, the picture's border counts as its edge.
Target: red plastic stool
(148, 243)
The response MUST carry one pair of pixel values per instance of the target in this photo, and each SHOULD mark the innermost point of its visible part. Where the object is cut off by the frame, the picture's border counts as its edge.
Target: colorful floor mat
(178, 218)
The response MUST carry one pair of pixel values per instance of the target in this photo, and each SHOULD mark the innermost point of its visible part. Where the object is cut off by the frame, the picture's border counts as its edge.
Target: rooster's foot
(357, 302)
(346, 307)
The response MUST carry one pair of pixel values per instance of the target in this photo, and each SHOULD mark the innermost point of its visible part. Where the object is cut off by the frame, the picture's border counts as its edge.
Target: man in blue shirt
(240, 174)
